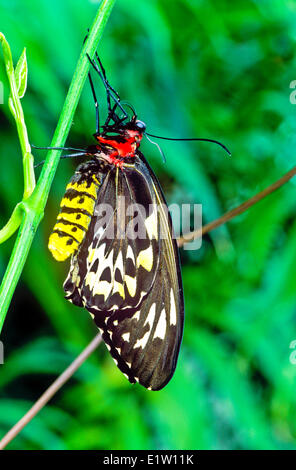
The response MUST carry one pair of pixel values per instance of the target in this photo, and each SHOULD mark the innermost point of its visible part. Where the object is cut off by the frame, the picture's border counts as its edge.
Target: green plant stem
(17, 111)
(13, 224)
(80, 75)
(34, 205)
(28, 161)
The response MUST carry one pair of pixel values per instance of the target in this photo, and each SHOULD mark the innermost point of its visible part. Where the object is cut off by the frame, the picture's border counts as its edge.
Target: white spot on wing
(131, 284)
(119, 263)
(130, 253)
(126, 337)
(173, 311)
(161, 326)
(145, 258)
(92, 279)
(141, 343)
(102, 288)
(151, 315)
(151, 225)
(137, 315)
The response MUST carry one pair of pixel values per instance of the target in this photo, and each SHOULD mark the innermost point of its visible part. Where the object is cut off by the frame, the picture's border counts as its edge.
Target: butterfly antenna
(192, 139)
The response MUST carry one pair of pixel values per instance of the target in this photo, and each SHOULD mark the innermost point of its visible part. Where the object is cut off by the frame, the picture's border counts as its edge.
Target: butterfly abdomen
(77, 207)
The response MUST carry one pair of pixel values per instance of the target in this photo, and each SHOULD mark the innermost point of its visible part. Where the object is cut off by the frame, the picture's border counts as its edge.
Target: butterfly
(125, 270)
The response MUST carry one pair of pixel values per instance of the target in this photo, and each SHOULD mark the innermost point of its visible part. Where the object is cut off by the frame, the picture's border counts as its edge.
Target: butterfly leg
(111, 93)
(96, 103)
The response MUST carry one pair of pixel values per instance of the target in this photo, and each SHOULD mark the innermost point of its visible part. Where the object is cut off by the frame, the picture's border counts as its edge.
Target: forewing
(114, 268)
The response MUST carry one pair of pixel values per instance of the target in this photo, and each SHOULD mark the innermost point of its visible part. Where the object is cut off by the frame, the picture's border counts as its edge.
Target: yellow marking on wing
(91, 254)
(131, 284)
(82, 219)
(98, 288)
(89, 278)
(118, 287)
(151, 224)
(96, 181)
(58, 246)
(145, 258)
(102, 288)
(75, 275)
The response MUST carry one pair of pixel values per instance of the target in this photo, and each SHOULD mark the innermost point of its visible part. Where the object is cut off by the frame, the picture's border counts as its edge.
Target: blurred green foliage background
(207, 68)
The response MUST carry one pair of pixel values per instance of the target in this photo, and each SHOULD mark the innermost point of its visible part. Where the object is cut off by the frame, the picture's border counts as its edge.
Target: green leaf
(21, 74)
(6, 53)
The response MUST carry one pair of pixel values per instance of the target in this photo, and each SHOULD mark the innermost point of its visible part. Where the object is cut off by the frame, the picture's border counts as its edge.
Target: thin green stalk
(80, 75)
(18, 83)
(34, 205)
(13, 224)
(17, 78)
(51, 391)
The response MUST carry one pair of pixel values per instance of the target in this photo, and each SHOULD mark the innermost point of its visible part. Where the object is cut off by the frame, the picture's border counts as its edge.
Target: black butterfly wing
(132, 286)
(114, 268)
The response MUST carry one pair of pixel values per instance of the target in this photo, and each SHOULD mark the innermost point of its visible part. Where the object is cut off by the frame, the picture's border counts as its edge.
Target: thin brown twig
(65, 376)
(50, 392)
(237, 210)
